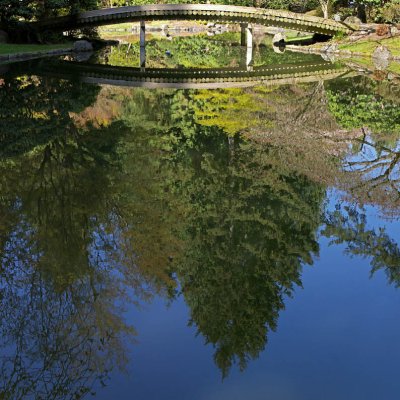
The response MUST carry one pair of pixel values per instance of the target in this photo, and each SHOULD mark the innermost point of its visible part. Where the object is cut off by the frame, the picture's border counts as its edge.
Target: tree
(15, 9)
(325, 6)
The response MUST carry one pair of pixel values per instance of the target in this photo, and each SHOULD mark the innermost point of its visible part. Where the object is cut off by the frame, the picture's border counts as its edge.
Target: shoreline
(331, 50)
(368, 45)
(29, 55)
(334, 52)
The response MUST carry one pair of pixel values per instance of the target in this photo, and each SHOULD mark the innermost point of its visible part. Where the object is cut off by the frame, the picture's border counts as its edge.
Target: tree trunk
(361, 13)
(325, 8)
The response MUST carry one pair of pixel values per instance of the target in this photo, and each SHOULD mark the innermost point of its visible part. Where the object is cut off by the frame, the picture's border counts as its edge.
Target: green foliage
(28, 10)
(391, 12)
(16, 9)
(358, 103)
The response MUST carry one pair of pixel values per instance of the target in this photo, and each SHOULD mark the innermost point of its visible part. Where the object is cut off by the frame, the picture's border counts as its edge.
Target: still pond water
(234, 243)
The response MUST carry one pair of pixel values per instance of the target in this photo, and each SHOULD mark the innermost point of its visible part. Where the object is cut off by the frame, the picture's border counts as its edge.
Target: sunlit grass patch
(368, 47)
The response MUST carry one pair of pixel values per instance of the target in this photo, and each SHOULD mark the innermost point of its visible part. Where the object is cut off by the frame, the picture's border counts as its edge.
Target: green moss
(28, 48)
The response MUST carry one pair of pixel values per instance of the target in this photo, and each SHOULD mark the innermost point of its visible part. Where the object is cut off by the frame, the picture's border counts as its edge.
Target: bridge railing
(224, 13)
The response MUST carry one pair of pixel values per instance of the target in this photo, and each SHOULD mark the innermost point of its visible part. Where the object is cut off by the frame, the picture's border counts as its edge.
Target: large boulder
(3, 37)
(381, 57)
(352, 20)
(81, 46)
(394, 30)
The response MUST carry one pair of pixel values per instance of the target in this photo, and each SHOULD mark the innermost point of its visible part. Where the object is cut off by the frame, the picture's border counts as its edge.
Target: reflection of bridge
(188, 78)
(203, 12)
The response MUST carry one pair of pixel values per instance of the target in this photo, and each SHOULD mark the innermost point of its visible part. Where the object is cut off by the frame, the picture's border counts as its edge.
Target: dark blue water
(336, 339)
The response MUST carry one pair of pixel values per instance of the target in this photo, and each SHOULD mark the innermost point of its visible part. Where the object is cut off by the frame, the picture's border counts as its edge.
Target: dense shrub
(391, 12)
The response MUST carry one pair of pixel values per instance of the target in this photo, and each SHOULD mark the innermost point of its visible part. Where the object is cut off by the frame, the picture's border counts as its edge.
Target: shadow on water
(111, 196)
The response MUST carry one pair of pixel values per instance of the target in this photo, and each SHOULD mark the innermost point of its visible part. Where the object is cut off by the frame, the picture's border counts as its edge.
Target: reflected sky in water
(336, 339)
(198, 244)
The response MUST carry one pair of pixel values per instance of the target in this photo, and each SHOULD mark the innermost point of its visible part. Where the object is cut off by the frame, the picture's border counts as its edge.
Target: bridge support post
(142, 44)
(142, 33)
(249, 59)
(246, 39)
(246, 35)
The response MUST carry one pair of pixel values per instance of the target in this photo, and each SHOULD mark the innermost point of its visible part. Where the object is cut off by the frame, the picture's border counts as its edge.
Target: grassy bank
(367, 47)
(393, 67)
(30, 48)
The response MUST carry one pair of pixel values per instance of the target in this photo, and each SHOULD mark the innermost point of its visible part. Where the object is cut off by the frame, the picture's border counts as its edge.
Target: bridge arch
(200, 78)
(200, 12)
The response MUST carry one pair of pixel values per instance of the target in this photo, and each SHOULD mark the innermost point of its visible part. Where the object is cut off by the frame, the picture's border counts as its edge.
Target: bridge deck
(203, 12)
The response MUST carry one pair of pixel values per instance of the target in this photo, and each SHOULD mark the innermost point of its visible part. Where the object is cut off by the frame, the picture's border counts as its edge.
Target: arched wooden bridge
(187, 78)
(201, 12)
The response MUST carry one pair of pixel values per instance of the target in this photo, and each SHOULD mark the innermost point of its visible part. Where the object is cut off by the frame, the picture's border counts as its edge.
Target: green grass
(298, 39)
(29, 48)
(368, 47)
(394, 66)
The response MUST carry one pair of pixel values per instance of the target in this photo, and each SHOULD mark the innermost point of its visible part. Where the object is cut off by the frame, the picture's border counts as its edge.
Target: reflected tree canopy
(251, 227)
(373, 168)
(348, 225)
(110, 196)
(74, 253)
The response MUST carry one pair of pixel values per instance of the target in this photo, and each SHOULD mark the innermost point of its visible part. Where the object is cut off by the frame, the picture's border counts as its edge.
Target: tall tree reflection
(251, 225)
(73, 250)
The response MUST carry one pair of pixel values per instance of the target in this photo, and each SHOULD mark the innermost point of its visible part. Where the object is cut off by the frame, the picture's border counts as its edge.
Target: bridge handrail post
(142, 44)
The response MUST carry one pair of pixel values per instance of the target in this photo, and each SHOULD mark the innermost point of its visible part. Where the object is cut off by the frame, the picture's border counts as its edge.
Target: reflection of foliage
(249, 223)
(61, 330)
(347, 225)
(372, 176)
(251, 226)
(359, 103)
(77, 234)
(55, 344)
(232, 110)
(372, 172)
(32, 112)
(198, 51)
(96, 214)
